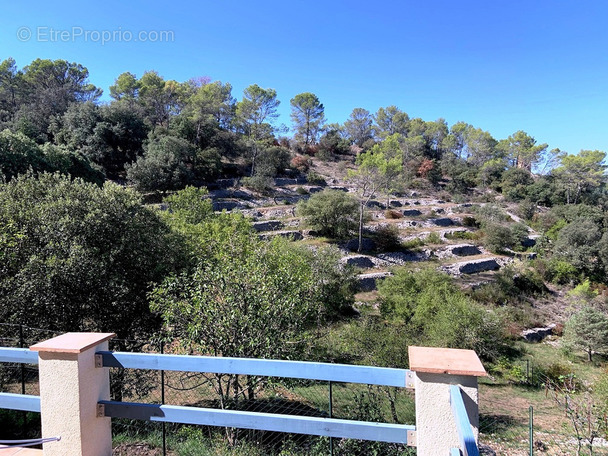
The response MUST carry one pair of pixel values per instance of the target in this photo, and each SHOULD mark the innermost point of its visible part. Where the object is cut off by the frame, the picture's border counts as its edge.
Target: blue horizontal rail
(18, 355)
(468, 445)
(23, 402)
(261, 367)
(328, 427)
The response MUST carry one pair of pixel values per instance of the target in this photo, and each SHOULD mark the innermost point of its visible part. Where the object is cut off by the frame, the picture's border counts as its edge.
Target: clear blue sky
(536, 65)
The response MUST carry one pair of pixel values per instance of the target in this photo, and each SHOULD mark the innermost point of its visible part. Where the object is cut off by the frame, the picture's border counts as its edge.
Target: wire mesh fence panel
(254, 394)
(20, 379)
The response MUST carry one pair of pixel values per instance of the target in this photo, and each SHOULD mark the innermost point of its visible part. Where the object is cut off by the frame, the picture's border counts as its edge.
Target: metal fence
(540, 413)
(259, 394)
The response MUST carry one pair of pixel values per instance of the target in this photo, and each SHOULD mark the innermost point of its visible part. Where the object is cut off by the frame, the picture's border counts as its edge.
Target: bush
(561, 272)
(436, 313)
(271, 161)
(469, 221)
(259, 183)
(332, 213)
(315, 179)
(387, 238)
(301, 163)
(433, 238)
(491, 214)
(391, 214)
(498, 238)
(526, 210)
(164, 166)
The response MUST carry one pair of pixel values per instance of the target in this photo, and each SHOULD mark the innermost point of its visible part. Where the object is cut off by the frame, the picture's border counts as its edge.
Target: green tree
(125, 87)
(522, 149)
(48, 88)
(332, 213)
(85, 256)
(373, 172)
(588, 330)
(359, 127)
(308, 116)
(391, 120)
(580, 174)
(436, 312)
(245, 298)
(255, 114)
(579, 243)
(164, 166)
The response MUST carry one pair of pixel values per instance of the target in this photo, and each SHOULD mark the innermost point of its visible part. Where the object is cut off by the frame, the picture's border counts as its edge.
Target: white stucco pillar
(70, 386)
(436, 369)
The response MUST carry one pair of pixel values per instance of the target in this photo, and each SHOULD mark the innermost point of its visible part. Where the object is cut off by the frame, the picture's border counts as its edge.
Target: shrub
(258, 182)
(332, 213)
(469, 221)
(583, 290)
(435, 312)
(466, 235)
(391, 214)
(433, 238)
(526, 210)
(412, 244)
(498, 238)
(491, 214)
(315, 178)
(387, 238)
(301, 163)
(561, 272)
(301, 191)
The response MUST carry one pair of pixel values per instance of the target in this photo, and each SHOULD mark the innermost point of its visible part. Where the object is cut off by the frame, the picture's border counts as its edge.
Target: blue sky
(539, 66)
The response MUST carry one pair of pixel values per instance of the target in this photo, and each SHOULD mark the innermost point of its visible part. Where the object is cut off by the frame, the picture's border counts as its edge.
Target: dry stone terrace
(434, 222)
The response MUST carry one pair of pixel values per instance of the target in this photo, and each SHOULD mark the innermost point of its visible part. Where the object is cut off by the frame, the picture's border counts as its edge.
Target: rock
(268, 225)
(282, 181)
(439, 211)
(367, 244)
(401, 258)
(358, 261)
(312, 190)
(528, 242)
(416, 203)
(537, 334)
(228, 205)
(411, 213)
(293, 235)
(486, 450)
(465, 250)
(375, 204)
(472, 267)
(395, 203)
(444, 221)
(342, 189)
(368, 282)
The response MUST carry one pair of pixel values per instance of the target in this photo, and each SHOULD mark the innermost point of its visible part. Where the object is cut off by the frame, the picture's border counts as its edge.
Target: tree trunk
(361, 208)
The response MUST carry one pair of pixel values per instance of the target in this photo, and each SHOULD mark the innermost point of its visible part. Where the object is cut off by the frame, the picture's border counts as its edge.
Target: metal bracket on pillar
(98, 360)
(410, 380)
(101, 410)
(411, 439)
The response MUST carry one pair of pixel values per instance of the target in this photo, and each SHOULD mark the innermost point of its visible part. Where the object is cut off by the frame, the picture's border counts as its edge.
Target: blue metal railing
(468, 444)
(24, 402)
(329, 427)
